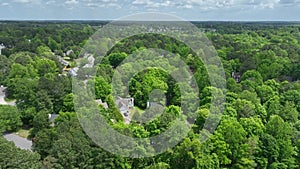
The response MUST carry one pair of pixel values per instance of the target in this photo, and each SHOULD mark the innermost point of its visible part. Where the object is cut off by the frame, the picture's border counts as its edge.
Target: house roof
(2, 89)
(52, 117)
(124, 103)
(104, 104)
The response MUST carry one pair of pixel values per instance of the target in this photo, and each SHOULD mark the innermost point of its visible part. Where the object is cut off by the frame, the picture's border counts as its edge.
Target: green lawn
(23, 133)
(135, 110)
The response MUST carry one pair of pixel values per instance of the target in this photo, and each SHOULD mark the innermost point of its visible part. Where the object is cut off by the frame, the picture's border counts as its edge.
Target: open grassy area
(135, 110)
(23, 133)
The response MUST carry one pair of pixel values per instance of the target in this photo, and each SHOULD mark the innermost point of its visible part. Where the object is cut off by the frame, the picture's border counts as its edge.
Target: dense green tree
(43, 141)
(233, 134)
(23, 90)
(68, 103)
(186, 154)
(144, 83)
(5, 68)
(281, 153)
(251, 79)
(265, 93)
(13, 157)
(160, 165)
(45, 66)
(233, 86)
(28, 114)
(53, 45)
(43, 101)
(10, 118)
(40, 121)
(116, 58)
(244, 108)
(291, 96)
(101, 88)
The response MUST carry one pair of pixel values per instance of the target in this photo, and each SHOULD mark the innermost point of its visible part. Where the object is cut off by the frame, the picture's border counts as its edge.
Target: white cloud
(140, 2)
(269, 3)
(71, 2)
(187, 6)
(262, 3)
(26, 1)
(165, 5)
(209, 4)
(101, 4)
(98, 1)
(50, 2)
(183, 3)
(290, 2)
(4, 4)
(208, 9)
(146, 3)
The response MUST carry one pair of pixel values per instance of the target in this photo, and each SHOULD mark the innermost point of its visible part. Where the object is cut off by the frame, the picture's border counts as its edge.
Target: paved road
(2, 101)
(20, 142)
(2, 96)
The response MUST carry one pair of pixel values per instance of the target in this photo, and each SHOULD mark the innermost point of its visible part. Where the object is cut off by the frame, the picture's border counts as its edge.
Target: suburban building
(124, 105)
(73, 71)
(52, 118)
(1, 47)
(104, 104)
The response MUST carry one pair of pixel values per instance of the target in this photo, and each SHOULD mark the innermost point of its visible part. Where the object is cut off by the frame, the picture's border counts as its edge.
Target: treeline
(59, 37)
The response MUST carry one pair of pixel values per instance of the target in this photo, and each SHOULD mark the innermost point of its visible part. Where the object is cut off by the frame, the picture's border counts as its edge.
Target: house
(2, 95)
(2, 90)
(73, 71)
(104, 104)
(52, 118)
(91, 61)
(67, 68)
(236, 76)
(69, 52)
(1, 47)
(63, 61)
(124, 105)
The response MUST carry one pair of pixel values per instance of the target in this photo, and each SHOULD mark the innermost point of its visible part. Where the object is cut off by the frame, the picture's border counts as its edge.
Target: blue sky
(201, 10)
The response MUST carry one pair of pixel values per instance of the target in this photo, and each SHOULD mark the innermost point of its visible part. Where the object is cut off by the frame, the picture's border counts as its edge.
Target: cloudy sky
(202, 10)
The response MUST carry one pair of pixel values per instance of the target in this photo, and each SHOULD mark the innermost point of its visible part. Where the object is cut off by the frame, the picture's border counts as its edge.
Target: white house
(124, 105)
(73, 72)
(1, 47)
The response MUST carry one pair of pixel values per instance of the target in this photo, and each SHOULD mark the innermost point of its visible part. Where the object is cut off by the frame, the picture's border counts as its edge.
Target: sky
(193, 10)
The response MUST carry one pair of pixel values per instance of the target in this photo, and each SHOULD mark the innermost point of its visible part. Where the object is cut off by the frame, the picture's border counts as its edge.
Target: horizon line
(112, 20)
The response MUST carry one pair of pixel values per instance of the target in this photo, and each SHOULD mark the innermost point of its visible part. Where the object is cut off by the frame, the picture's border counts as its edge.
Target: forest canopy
(259, 128)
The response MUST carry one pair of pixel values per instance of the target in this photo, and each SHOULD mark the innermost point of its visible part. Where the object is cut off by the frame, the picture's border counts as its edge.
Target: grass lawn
(23, 133)
(135, 110)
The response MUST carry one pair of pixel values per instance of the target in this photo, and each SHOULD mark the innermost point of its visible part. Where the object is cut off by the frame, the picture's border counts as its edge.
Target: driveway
(2, 101)
(20, 142)
(2, 96)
